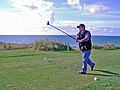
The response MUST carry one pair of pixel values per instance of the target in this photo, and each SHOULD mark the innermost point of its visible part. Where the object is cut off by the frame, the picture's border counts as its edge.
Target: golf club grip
(62, 31)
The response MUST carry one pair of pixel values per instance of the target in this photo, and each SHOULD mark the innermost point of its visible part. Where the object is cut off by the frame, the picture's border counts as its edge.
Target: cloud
(91, 8)
(12, 23)
(95, 8)
(43, 8)
(95, 27)
(29, 18)
(74, 4)
(31, 7)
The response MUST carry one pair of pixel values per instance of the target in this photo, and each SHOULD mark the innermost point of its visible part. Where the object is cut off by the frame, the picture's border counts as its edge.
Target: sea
(28, 39)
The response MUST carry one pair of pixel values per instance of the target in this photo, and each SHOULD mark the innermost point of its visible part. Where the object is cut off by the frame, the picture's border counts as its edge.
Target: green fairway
(38, 70)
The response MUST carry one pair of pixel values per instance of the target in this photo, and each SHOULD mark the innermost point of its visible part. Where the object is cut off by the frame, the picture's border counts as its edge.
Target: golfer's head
(81, 27)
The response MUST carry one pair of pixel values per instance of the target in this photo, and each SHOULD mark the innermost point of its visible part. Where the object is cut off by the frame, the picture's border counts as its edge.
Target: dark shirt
(87, 36)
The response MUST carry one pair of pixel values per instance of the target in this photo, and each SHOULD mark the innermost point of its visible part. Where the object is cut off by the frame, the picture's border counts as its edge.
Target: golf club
(60, 30)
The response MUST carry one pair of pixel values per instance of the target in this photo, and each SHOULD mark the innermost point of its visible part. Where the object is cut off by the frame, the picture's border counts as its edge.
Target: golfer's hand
(79, 40)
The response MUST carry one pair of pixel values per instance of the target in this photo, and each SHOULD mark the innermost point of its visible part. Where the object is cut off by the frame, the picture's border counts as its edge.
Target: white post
(68, 47)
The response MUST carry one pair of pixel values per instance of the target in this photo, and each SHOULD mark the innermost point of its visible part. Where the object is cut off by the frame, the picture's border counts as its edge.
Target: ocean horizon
(27, 39)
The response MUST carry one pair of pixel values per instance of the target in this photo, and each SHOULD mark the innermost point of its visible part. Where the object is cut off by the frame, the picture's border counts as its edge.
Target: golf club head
(48, 23)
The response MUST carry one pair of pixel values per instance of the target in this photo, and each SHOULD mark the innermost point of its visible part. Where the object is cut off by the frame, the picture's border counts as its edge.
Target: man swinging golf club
(84, 40)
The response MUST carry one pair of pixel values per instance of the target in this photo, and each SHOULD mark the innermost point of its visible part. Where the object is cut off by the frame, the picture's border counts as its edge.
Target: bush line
(51, 45)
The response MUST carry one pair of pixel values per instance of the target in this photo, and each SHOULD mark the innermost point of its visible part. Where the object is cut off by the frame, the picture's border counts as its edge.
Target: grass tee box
(39, 70)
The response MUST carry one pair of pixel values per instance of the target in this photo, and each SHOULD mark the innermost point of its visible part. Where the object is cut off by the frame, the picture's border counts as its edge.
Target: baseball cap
(81, 25)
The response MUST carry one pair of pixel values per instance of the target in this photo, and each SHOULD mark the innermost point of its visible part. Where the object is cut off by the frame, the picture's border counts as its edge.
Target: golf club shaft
(62, 31)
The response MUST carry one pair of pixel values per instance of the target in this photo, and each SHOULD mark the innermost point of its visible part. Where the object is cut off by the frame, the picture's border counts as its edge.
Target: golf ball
(96, 78)
(44, 57)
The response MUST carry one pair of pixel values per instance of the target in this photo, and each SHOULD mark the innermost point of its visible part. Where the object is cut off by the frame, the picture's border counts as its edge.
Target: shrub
(109, 46)
(49, 45)
(95, 46)
(106, 46)
(13, 46)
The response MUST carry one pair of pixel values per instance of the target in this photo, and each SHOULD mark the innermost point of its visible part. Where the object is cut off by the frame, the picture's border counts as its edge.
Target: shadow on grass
(20, 55)
(106, 73)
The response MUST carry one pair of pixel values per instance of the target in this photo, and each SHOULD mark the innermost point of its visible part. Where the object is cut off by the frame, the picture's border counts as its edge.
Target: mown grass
(39, 70)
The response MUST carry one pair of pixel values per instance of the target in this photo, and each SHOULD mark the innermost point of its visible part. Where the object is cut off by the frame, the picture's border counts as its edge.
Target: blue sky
(29, 17)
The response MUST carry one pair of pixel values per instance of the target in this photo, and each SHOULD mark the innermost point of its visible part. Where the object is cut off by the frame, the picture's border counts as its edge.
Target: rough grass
(50, 45)
(14, 46)
(106, 46)
(38, 70)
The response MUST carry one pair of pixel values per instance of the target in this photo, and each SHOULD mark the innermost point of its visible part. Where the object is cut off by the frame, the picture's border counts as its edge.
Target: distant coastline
(28, 39)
